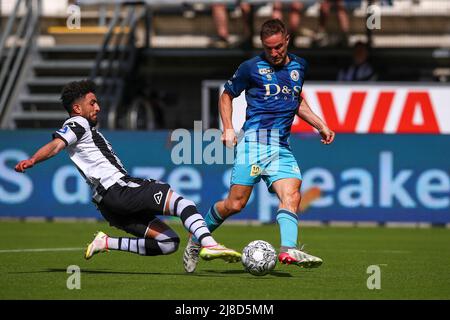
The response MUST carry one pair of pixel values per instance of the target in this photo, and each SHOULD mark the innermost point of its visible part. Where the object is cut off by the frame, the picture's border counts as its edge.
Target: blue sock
(288, 223)
(213, 221)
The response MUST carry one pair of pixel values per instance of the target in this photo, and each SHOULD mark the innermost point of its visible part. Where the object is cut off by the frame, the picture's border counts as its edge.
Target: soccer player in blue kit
(272, 82)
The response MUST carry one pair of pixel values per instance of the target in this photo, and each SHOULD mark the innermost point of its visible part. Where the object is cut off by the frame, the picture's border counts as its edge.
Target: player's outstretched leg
(298, 257)
(191, 255)
(289, 253)
(219, 252)
(99, 244)
(195, 224)
(191, 252)
(166, 242)
(236, 201)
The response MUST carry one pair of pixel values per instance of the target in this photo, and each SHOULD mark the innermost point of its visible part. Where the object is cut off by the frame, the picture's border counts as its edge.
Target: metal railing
(15, 44)
(116, 59)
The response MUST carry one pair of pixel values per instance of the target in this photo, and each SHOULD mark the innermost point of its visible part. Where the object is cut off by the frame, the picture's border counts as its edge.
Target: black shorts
(132, 203)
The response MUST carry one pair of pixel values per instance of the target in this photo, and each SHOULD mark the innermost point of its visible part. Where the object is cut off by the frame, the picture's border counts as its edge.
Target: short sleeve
(305, 66)
(240, 80)
(71, 132)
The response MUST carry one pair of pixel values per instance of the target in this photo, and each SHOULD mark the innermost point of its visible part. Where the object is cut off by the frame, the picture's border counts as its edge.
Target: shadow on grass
(273, 273)
(201, 273)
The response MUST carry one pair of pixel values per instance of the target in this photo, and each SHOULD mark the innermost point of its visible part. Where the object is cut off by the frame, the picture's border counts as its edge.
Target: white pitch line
(40, 250)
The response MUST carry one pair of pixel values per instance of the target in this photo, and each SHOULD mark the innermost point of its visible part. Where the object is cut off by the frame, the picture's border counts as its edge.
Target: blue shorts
(255, 160)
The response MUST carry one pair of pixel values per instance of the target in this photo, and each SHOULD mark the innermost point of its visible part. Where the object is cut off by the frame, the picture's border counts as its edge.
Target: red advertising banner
(379, 108)
(374, 108)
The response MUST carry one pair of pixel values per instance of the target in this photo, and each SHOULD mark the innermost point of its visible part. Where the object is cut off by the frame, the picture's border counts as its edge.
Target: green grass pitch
(414, 264)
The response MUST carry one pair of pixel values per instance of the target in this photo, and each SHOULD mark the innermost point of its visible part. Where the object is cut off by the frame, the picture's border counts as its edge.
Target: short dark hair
(74, 91)
(271, 27)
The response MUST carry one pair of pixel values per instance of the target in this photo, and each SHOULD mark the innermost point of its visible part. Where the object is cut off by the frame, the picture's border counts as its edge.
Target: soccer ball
(259, 257)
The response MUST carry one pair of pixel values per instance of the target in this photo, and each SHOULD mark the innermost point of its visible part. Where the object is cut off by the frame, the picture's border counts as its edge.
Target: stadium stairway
(38, 105)
(63, 50)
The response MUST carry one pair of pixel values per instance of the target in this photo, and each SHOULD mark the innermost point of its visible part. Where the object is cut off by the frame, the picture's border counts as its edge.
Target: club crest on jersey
(294, 75)
(158, 196)
(264, 71)
(255, 171)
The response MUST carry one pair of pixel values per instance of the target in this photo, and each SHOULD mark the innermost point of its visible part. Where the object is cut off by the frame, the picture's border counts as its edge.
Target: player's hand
(327, 135)
(229, 138)
(24, 164)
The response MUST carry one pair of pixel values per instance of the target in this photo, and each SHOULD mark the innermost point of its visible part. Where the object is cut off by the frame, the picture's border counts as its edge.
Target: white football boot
(190, 256)
(299, 258)
(220, 252)
(99, 244)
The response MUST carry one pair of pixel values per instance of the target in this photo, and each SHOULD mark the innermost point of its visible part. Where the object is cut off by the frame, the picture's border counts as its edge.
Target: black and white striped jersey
(92, 154)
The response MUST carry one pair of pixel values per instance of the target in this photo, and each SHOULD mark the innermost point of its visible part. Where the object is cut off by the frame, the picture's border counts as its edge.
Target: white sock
(113, 243)
(197, 226)
(208, 241)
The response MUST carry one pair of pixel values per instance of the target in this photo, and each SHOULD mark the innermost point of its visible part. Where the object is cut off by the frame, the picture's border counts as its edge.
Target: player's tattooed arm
(306, 114)
(44, 153)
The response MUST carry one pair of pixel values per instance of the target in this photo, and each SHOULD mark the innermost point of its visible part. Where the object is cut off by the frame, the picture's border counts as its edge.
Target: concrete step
(69, 52)
(204, 25)
(40, 102)
(93, 37)
(77, 52)
(39, 119)
(71, 68)
(70, 48)
(41, 115)
(52, 85)
(380, 39)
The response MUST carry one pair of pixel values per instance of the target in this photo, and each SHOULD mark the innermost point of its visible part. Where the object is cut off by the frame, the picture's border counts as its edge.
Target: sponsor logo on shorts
(255, 171)
(158, 197)
(296, 169)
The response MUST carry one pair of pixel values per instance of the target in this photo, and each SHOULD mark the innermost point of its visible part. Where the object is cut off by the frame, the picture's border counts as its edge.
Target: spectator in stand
(220, 16)
(344, 23)
(360, 69)
(294, 18)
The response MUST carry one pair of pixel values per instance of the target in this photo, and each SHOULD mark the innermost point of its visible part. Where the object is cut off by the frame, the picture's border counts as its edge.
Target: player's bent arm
(306, 114)
(226, 112)
(44, 153)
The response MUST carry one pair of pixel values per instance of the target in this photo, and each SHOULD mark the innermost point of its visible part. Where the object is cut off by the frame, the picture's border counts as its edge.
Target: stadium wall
(376, 177)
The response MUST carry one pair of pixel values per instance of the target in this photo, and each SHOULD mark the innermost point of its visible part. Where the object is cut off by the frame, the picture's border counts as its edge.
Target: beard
(278, 62)
(92, 122)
